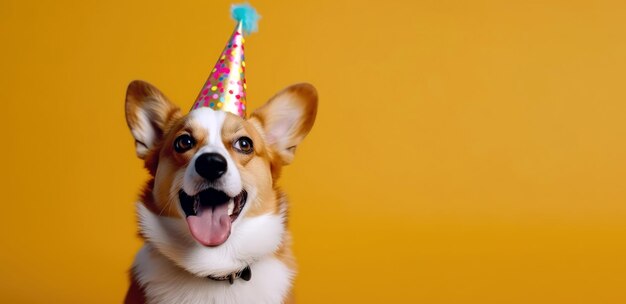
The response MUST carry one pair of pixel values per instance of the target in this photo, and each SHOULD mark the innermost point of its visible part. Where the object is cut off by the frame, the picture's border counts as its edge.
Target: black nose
(211, 165)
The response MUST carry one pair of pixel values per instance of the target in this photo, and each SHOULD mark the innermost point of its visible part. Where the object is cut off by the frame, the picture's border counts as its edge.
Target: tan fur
(260, 168)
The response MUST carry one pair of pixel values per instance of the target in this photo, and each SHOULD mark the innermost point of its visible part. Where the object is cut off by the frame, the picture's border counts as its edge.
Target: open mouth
(210, 214)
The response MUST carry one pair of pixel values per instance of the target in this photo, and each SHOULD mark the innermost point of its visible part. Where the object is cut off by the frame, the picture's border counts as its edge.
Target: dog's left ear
(287, 118)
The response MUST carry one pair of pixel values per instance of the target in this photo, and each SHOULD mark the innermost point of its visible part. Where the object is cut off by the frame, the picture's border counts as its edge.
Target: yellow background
(464, 152)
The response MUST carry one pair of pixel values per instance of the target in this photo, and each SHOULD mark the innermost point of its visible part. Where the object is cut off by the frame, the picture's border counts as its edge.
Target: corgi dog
(211, 215)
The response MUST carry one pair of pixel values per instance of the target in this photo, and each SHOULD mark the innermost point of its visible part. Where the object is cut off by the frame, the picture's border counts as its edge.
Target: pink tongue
(211, 227)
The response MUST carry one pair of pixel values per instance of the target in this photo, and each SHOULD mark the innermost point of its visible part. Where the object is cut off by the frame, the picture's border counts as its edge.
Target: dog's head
(213, 190)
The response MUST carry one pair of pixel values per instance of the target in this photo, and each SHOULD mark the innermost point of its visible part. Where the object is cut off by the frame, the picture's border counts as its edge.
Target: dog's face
(213, 188)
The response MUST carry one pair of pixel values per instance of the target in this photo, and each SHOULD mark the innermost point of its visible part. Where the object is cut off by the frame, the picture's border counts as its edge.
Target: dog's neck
(244, 274)
(251, 239)
(164, 282)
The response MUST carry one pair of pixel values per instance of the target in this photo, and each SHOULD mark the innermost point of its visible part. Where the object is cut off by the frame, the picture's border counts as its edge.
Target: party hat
(225, 89)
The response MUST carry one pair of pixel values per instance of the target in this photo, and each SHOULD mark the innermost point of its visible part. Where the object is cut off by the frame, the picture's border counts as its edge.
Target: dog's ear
(147, 113)
(287, 118)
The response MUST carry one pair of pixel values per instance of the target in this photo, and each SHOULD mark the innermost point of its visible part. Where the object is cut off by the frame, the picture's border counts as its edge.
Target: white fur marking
(165, 283)
(251, 243)
(252, 238)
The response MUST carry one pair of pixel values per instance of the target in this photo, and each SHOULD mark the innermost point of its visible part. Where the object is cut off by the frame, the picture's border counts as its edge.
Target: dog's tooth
(196, 205)
(231, 208)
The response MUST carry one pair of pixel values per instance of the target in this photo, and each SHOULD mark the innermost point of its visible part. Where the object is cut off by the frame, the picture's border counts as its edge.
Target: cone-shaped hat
(225, 89)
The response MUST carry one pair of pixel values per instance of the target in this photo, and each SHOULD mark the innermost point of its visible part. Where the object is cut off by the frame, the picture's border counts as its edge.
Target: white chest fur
(166, 283)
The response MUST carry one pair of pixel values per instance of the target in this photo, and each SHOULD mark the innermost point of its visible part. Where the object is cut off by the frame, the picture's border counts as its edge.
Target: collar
(244, 274)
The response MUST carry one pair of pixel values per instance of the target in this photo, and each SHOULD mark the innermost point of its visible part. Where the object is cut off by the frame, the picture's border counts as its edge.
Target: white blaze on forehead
(212, 121)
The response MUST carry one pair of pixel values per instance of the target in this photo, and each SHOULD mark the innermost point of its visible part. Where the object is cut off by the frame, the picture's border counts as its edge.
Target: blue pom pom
(247, 15)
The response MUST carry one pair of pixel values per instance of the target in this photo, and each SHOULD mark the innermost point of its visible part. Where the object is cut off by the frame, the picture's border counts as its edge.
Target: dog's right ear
(147, 113)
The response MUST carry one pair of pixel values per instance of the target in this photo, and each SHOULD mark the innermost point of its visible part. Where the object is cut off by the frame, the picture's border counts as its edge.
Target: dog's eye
(244, 145)
(183, 143)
